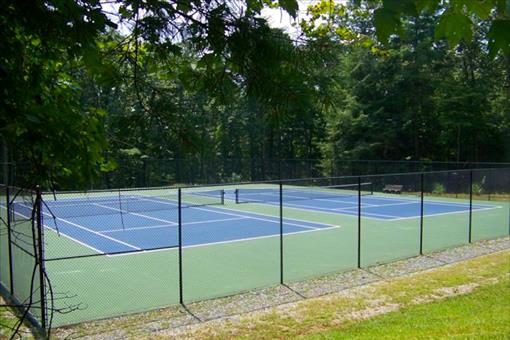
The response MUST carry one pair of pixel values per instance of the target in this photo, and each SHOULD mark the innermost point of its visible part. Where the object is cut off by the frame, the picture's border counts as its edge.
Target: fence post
(281, 233)
(9, 239)
(421, 211)
(179, 214)
(40, 258)
(359, 222)
(470, 205)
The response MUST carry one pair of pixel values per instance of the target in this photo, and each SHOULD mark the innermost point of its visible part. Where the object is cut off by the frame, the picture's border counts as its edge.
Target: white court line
(136, 214)
(307, 198)
(333, 210)
(262, 219)
(396, 218)
(391, 217)
(97, 233)
(171, 225)
(304, 198)
(64, 234)
(339, 201)
(297, 205)
(138, 228)
(445, 213)
(220, 211)
(403, 199)
(425, 200)
(226, 242)
(317, 209)
(377, 206)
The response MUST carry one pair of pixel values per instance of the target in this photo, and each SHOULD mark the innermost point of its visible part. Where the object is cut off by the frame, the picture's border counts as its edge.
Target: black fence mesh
(446, 209)
(147, 172)
(319, 219)
(228, 248)
(390, 224)
(5, 276)
(112, 252)
(491, 194)
(21, 272)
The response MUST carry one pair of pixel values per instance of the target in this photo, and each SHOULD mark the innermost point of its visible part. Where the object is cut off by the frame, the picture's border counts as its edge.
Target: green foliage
(61, 69)
(477, 189)
(438, 189)
(455, 23)
(456, 27)
(499, 37)
(387, 22)
(78, 96)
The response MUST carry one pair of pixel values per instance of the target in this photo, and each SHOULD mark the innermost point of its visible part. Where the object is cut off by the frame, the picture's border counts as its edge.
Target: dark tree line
(86, 87)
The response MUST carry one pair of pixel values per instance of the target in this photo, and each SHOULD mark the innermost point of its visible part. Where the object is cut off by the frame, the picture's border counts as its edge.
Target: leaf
(503, 7)
(455, 27)
(481, 8)
(386, 22)
(407, 7)
(216, 27)
(427, 5)
(499, 37)
(291, 6)
(131, 152)
(183, 6)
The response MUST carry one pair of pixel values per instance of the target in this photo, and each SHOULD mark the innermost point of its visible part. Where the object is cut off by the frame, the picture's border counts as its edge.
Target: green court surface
(101, 286)
(111, 285)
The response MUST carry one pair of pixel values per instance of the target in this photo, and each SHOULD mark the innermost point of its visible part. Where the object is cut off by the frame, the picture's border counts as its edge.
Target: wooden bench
(393, 188)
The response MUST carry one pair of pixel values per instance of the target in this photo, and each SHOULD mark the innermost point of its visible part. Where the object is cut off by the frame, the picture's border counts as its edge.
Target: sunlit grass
(484, 313)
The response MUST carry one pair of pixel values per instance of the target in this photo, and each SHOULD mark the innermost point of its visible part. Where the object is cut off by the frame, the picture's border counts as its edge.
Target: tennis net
(296, 193)
(124, 203)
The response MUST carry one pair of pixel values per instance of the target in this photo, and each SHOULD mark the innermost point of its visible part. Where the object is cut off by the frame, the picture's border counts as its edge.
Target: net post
(9, 239)
(470, 206)
(40, 257)
(179, 217)
(359, 222)
(120, 211)
(422, 180)
(281, 232)
(237, 196)
(222, 196)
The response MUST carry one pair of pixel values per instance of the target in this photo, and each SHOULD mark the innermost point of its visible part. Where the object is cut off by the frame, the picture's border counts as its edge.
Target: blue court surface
(372, 206)
(112, 228)
(107, 225)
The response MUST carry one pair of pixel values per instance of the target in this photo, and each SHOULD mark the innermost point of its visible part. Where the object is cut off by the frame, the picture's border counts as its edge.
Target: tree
(42, 43)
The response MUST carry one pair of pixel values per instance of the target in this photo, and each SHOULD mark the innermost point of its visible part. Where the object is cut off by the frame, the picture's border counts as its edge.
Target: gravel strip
(461, 253)
(405, 267)
(332, 283)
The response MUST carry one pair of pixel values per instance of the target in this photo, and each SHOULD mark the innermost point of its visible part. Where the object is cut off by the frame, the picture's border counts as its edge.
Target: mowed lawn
(481, 314)
(465, 300)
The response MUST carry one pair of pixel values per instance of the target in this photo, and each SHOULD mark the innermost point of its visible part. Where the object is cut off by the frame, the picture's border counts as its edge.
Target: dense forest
(89, 86)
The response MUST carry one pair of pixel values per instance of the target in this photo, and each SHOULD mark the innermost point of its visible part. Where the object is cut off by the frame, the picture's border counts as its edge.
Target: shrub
(438, 189)
(477, 189)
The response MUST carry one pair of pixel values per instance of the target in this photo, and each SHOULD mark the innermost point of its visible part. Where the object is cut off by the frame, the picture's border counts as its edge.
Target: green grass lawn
(482, 314)
(469, 299)
(8, 321)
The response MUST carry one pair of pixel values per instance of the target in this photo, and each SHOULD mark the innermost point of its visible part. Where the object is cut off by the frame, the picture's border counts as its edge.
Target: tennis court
(128, 227)
(138, 222)
(113, 252)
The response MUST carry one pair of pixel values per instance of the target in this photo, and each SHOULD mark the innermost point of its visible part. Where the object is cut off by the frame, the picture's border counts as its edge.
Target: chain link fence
(70, 257)
(147, 172)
